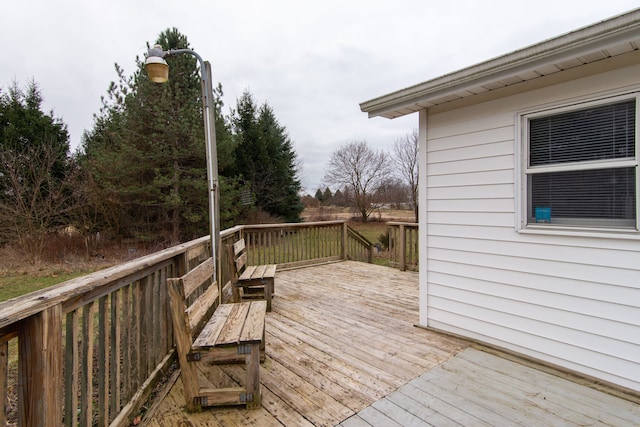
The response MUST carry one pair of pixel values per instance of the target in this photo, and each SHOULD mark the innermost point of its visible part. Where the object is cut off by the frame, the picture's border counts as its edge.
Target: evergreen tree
(146, 154)
(319, 195)
(144, 162)
(265, 158)
(326, 196)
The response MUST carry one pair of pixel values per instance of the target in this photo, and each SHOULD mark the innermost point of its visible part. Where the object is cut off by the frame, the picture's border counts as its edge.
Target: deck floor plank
(436, 401)
(354, 421)
(342, 349)
(421, 409)
(357, 378)
(399, 414)
(319, 374)
(376, 418)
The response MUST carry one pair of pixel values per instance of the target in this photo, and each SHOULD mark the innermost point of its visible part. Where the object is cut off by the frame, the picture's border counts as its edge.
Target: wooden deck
(342, 349)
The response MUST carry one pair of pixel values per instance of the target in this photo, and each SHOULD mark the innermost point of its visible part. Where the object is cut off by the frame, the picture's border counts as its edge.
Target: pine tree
(265, 158)
(326, 197)
(146, 153)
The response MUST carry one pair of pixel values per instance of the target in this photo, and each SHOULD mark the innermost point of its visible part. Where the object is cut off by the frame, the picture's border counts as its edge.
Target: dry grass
(64, 259)
(329, 213)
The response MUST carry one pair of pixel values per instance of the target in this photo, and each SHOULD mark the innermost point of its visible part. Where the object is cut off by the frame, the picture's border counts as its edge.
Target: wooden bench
(250, 282)
(233, 334)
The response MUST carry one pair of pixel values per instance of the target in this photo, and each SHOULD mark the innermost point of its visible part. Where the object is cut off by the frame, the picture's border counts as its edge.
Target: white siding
(573, 301)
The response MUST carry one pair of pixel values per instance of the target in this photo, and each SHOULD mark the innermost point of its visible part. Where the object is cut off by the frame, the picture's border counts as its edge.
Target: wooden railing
(403, 245)
(294, 245)
(358, 247)
(90, 350)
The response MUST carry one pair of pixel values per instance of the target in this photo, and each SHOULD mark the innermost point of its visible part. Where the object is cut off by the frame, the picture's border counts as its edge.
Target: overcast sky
(313, 62)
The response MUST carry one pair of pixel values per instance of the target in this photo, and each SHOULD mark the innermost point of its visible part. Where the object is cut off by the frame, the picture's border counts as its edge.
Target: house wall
(572, 300)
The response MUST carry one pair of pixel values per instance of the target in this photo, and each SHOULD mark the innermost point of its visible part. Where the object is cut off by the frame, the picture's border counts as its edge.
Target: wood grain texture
(196, 277)
(40, 369)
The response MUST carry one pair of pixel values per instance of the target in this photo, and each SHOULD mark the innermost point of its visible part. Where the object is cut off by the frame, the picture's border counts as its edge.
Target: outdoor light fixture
(158, 71)
(157, 68)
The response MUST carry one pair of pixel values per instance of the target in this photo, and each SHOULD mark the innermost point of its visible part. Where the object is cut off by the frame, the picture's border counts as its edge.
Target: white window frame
(572, 226)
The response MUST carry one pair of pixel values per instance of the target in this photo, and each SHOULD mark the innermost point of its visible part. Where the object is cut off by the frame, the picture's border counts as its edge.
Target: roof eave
(598, 37)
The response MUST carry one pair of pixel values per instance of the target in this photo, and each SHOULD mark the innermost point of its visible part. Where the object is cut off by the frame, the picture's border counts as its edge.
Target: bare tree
(361, 170)
(34, 202)
(405, 159)
(394, 192)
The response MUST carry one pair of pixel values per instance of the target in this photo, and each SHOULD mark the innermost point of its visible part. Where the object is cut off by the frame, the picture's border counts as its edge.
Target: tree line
(140, 172)
(368, 179)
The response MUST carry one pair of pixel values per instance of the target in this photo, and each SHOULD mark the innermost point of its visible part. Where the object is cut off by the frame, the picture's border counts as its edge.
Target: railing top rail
(409, 224)
(295, 224)
(230, 231)
(21, 307)
(356, 235)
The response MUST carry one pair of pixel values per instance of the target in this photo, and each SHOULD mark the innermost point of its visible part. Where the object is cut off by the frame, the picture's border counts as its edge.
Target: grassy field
(370, 230)
(16, 285)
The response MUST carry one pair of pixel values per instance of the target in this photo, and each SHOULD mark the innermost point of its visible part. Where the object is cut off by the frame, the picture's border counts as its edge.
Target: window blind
(597, 133)
(597, 194)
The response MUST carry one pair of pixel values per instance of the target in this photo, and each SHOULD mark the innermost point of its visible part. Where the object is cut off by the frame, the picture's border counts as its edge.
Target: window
(581, 166)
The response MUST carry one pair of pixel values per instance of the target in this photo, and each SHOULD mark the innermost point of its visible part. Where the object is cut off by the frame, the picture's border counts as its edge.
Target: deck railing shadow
(90, 350)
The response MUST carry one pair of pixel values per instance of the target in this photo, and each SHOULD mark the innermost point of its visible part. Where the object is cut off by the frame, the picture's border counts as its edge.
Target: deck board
(342, 349)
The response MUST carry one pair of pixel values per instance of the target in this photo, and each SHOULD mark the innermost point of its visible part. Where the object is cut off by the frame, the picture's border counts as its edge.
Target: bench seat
(250, 282)
(233, 334)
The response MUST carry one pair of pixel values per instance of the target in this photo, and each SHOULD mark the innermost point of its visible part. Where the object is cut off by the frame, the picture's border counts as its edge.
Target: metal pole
(212, 173)
(212, 161)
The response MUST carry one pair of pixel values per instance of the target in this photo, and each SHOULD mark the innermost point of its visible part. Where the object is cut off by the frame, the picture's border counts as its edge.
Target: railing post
(40, 357)
(403, 248)
(182, 265)
(343, 241)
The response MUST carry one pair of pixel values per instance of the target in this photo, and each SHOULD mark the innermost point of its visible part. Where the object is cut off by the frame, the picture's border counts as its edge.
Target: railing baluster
(4, 375)
(115, 361)
(146, 327)
(86, 393)
(103, 362)
(72, 368)
(136, 320)
(125, 345)
(156, 322)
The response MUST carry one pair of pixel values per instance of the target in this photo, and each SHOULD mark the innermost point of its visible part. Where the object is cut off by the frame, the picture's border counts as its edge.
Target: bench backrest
(191, 316)
(238, 259)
